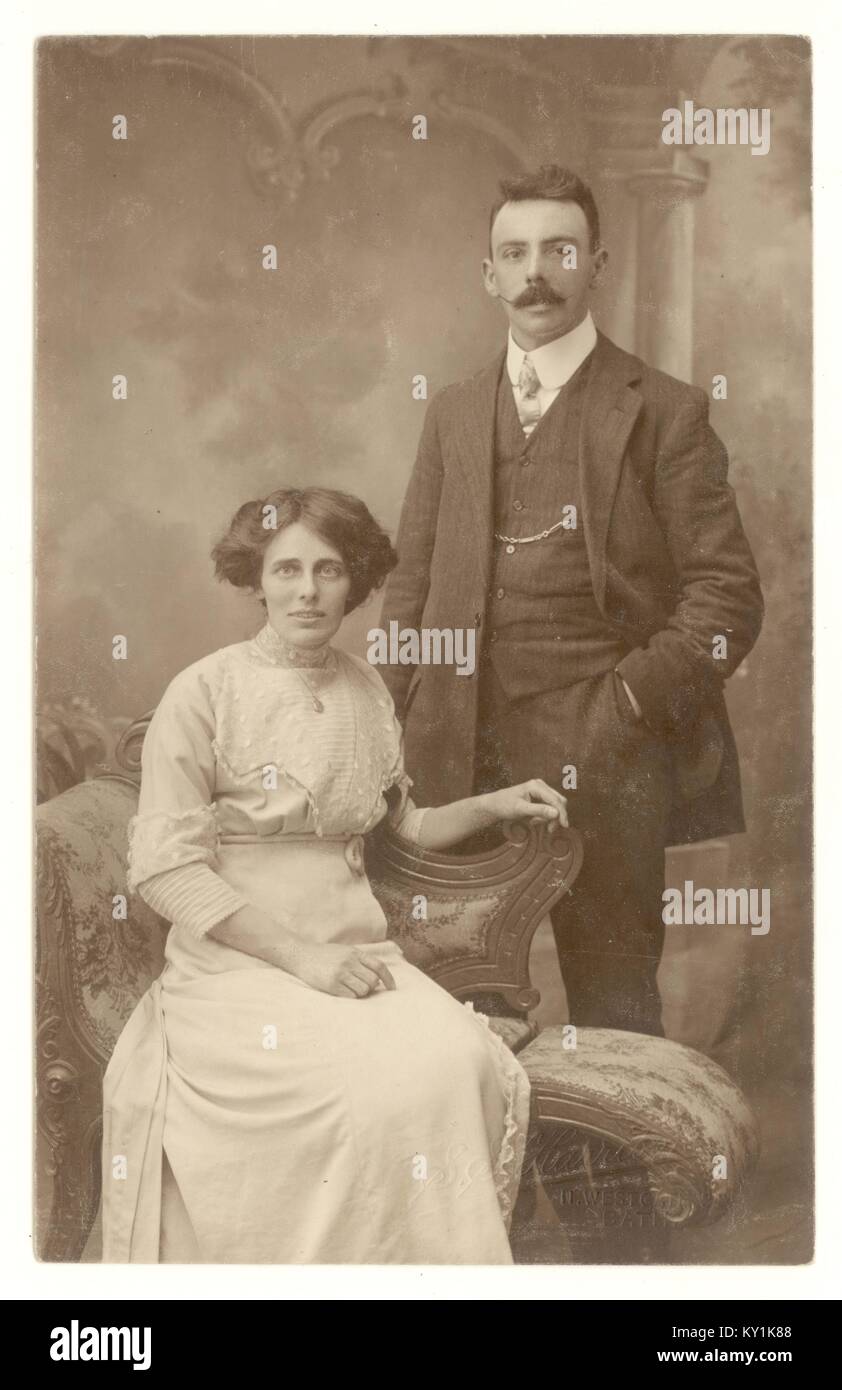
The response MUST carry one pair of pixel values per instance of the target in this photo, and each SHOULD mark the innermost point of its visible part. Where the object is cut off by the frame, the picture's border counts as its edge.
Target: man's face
(542, 264)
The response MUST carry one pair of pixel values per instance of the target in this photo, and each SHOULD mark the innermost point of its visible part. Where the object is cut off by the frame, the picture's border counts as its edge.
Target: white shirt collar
(555, 362)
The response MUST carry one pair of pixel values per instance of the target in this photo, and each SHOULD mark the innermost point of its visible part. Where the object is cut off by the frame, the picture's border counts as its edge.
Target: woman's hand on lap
(342, 970)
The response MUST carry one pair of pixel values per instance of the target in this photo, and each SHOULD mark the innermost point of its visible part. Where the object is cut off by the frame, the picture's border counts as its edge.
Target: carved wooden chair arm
(624, 1122)
(99, 949)
(468, 921)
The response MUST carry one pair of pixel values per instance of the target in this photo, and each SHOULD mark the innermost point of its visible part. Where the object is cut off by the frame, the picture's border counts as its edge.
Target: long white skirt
(249, 1118)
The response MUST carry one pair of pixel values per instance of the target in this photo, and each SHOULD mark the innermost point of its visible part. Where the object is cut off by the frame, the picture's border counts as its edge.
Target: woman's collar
(282, 653)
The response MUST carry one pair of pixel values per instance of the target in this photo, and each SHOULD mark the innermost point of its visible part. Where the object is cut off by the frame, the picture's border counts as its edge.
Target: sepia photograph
(423, 684)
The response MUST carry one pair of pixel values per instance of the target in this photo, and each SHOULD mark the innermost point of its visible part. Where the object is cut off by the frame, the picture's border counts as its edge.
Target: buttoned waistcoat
(671, 568)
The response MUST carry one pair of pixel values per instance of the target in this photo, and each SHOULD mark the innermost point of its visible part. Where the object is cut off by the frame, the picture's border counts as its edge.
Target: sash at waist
(353, 843)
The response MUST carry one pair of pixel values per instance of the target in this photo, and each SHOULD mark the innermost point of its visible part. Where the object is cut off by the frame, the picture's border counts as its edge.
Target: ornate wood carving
(587, 1149)
(512, 887)
(128, 750)
(68, 1092)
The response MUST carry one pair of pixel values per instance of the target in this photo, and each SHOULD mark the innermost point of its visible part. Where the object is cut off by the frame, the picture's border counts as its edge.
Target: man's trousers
(586, 741)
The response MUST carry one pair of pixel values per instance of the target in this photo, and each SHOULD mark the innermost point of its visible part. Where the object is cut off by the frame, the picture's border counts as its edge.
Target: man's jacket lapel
(610, 409)
(475, 447)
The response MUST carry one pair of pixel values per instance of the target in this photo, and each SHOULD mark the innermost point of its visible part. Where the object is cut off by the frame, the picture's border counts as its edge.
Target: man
(572, 504)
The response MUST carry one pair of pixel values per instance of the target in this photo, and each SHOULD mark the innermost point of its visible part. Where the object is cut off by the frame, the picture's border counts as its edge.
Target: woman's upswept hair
(341, 519)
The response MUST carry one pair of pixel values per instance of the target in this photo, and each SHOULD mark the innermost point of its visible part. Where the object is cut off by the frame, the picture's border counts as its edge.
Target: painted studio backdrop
(241, 379)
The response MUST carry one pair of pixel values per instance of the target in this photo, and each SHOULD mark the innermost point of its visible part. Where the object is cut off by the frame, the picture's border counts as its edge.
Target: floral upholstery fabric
(673, 1104)
(515, 1032)
(108, 960)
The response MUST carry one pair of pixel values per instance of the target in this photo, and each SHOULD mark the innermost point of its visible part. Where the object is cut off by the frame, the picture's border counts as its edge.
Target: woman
(291, 1089)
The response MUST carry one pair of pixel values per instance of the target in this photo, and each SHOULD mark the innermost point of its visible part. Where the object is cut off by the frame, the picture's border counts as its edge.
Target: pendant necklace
(293, 659)
(296, 666)
(317, 704)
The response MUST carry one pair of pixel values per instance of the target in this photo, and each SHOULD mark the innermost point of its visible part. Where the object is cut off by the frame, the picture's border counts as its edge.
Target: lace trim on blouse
(258, 726)
(244, 778)
(160, 840)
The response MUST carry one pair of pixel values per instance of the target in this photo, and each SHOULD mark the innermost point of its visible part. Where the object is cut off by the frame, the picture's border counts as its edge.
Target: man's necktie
(528, 386)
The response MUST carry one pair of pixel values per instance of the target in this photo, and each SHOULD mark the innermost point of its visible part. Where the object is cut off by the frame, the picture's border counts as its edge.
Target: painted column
(665, 190)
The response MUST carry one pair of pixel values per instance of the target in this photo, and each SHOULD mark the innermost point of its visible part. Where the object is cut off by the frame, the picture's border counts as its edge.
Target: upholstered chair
(631, 1136)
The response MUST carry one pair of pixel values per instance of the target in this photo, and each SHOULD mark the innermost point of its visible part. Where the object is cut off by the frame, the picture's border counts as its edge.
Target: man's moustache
(530, 297)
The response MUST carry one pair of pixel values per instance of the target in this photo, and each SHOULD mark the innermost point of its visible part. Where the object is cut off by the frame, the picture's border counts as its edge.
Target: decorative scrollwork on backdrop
(295, 149)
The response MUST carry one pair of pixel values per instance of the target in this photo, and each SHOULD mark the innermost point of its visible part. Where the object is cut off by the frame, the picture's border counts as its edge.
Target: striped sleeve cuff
(191, 896)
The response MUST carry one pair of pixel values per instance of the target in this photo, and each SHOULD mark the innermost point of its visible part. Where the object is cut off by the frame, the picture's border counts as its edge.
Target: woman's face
(305, 583)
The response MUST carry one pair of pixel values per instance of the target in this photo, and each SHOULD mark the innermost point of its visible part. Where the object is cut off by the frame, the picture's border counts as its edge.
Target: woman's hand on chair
(534, 801)
(342, 970)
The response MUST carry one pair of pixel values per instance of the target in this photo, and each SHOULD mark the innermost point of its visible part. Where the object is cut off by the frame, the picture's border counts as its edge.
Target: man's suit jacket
(670, 563)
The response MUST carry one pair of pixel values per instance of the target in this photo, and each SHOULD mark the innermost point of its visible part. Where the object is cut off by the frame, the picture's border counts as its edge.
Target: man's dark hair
(554, 183)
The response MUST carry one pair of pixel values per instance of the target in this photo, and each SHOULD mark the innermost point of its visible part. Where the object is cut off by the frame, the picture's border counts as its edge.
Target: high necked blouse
(247, 747)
